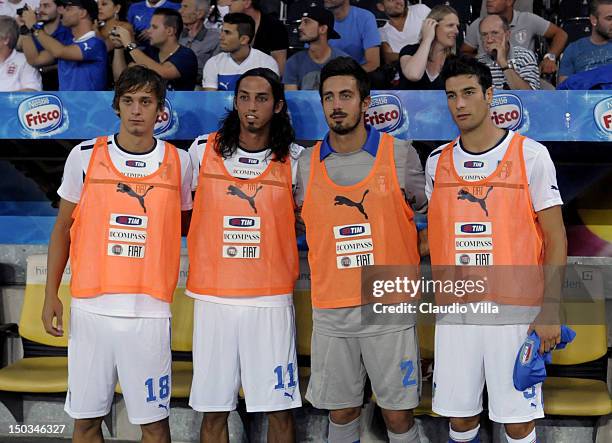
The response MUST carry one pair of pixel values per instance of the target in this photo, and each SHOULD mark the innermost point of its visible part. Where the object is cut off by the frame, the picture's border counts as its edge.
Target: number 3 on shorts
(407, 368)
(164, 388)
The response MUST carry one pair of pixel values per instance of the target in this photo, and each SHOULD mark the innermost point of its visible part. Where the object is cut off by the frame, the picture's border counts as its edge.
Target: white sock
(466, 436)
(410, 436)
(531, 438)
(348, 433)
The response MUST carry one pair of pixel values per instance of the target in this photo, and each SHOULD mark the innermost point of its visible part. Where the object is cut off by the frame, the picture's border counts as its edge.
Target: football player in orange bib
(243, 262)
(354, 188)
(493, 202)
(120, 222)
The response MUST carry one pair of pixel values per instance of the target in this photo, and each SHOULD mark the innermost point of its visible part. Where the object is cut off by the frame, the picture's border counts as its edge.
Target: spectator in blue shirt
(303, 70)
(594, 51)
(139, 16)
(48, 15)
(175, 63)
(82, 60)
(359, 36)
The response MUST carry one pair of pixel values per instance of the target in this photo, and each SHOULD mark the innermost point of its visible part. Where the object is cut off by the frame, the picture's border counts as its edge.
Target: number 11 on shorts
(280, 379)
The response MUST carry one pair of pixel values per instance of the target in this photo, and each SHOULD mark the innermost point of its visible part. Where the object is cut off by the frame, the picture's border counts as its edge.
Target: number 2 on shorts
(164, 388)
(407, 368)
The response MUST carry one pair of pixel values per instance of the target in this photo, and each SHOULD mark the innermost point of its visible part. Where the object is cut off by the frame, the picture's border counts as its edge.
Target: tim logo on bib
(122, 187)
(342, 200)
(234, 190)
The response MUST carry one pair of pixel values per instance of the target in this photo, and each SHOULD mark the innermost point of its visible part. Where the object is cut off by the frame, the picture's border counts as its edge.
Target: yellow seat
(36, 375)
(575, 396)
(182, 341)
(182, 374)
(303, 321)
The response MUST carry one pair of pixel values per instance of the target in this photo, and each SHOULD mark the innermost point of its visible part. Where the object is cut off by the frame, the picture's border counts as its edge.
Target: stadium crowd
(78, 45)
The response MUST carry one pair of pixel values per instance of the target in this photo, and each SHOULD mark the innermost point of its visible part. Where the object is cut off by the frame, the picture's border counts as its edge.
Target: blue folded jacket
(530, 366)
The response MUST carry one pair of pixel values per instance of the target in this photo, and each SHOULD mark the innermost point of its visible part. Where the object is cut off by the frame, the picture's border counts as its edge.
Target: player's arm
(33, 56)
(166, 70)
(57, 257)
(414, 191)
(210, 75)
(372, 59)
(370, 39)
(299, 190)
(388, 55)
(468, 50)
(280, 56)
(558, 39)
(185, 222)
(119, 63)
(555, 258)
(58, 50)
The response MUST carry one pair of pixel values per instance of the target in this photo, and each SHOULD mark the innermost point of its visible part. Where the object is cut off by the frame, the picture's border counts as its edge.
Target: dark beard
(309, 40)
(400, 15)
(338, 129)
(602, 34)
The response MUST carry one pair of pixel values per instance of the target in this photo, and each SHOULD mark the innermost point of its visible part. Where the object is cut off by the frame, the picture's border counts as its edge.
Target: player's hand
(550, 336)
(53, 309)
(115, 41)
(29, 17)
(428, 30)
(19, 21)
(548, 66)
(423, 242)
(123, 35)
(143, 36)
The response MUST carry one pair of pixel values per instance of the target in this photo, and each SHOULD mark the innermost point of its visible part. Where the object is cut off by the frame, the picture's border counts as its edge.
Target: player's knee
(464, 424)
(344, 416)
(214, 420)
(398, 422)
(158, 431)
(88, 426)
(519, 430)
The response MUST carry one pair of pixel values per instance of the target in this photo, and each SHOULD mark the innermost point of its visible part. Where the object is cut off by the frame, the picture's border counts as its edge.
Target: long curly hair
(281, 131)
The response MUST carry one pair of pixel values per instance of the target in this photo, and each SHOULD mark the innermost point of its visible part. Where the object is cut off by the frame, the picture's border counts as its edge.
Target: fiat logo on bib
(41, 114)
(385, 113)
(165, 121)
(507, 111)
(603, 115)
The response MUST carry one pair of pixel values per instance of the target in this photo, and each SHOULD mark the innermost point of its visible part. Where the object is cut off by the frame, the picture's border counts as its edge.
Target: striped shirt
(525, 64)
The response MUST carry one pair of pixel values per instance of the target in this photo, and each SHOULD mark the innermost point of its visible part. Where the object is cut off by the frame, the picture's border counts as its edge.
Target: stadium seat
(44, 368)
(303, 323)
(585, 394)
(426, 333)
(576, 28)
(573, 8)
(295, 45)
(295, 9)
(182, 343)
